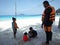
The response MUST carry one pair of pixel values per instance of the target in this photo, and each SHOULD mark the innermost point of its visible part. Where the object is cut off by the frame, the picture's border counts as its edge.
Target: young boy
(25, 37)
(14, 26)
(32, 33)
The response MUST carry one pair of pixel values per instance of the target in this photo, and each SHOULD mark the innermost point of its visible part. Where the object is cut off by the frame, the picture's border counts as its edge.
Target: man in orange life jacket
(48, 17)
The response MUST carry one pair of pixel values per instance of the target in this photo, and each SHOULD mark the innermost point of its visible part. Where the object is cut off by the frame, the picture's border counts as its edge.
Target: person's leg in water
(50, 36)
(15, 31)
(47, 35)
(50, 33)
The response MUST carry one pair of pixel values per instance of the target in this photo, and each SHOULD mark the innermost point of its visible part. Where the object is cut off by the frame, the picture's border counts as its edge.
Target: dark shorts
(15, 30)
(48, 23)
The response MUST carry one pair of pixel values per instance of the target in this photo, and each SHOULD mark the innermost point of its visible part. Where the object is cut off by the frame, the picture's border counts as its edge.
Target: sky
(7, 7)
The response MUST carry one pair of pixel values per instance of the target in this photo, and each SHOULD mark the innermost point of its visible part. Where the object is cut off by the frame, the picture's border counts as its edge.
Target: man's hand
(41, 25)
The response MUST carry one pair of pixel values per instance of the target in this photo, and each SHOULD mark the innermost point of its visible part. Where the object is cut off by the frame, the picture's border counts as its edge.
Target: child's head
(14, 19)
(25, 33)
(30, 28)
(25, 37)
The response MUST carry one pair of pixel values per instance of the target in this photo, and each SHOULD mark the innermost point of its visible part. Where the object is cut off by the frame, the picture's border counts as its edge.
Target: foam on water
(23, 22)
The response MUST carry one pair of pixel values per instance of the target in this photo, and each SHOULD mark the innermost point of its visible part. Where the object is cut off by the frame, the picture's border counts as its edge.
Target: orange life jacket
(52, 15)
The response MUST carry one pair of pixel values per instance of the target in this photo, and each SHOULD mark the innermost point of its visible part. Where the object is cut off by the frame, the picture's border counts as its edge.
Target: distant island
(58, 11)
(29, 14)
(21, 14)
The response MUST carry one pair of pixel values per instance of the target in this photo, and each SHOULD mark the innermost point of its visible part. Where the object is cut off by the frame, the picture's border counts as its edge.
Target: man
(32, 33)
(47, 20)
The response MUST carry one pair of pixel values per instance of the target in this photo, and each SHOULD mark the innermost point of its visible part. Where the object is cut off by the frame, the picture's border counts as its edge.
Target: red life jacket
(25, 38)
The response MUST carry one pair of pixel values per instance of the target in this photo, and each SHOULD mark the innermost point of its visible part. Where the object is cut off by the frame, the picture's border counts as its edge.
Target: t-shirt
(13, 25)
(33, 33)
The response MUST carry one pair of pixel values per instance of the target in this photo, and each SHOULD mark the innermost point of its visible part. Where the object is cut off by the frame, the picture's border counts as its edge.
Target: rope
(15, 9)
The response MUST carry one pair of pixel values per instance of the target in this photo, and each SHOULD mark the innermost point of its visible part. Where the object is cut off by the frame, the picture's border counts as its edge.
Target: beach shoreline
(23, 22)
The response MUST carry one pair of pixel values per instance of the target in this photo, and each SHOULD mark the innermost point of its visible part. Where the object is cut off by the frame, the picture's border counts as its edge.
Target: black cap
(46, 2)
(25, 33)
(30, 28)
(13, 18)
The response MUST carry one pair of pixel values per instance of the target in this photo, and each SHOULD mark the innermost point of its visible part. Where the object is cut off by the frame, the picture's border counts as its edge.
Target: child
(14, 26)
(25, 37)
(32, 33)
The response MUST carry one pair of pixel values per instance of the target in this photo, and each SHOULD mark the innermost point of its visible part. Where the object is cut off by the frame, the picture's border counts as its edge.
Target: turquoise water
(9, 17)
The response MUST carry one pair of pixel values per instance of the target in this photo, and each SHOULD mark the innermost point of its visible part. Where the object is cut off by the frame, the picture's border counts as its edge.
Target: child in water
(14, 26)
(25, 37)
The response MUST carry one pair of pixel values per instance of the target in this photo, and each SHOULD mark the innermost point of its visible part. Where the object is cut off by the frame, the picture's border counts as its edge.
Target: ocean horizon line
(21, 14)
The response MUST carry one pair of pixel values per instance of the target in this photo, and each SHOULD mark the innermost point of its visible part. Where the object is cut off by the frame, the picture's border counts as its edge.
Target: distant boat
(21, 14)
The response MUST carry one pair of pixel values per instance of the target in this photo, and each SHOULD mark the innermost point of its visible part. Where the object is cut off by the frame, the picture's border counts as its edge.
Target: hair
(13, 18)
(30, 28)
(46, 2)
(25, 33)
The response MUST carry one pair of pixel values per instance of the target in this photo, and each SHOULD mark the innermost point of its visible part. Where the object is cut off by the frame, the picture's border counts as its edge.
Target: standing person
(14, 26)
(32, 33)
(47, 19)
(59, 23)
